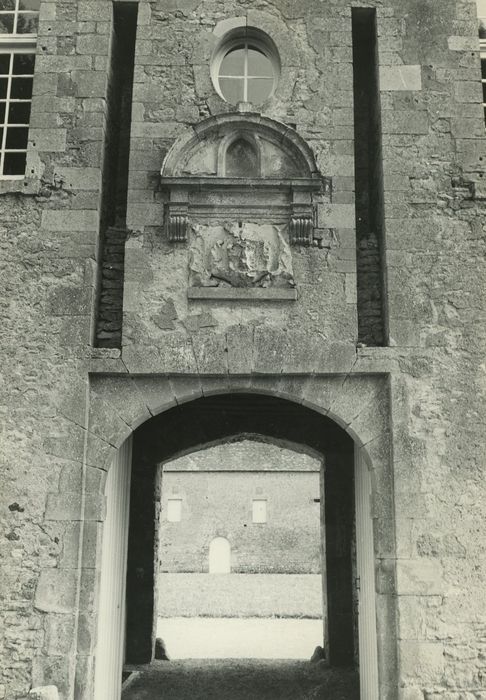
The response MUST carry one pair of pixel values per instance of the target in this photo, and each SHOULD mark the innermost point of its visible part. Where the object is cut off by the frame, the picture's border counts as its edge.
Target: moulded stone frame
(233, 37)
(280, 33)
(119, 403)
(15, 44)
(186, 190)
(235, 122)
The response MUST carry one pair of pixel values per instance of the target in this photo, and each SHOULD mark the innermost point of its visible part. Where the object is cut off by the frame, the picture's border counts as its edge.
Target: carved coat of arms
(240, 255)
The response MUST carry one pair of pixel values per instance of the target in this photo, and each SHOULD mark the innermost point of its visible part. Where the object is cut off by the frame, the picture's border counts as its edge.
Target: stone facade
(217, 487)
(412, 402)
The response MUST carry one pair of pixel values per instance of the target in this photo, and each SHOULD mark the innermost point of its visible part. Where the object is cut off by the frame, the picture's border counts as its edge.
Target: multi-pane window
(481, 10)
(18, 32)
(19, 16)
(483, 78)
(246, 75)
(246, 66)
(483, 71)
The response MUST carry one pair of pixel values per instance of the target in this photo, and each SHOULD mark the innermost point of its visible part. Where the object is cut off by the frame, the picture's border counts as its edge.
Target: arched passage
(196, 424)
(201, 422)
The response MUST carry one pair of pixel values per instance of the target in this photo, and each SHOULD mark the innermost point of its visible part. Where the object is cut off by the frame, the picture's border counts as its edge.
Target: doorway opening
(219, 556)
(240, 570)
(209, 422)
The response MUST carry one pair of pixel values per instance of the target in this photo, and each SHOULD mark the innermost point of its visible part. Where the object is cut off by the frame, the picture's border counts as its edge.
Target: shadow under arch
(193, 423)
(199, 423)
(321, 408)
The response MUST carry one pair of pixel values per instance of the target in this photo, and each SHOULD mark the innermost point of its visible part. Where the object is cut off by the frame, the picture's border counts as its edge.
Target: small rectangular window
(259, 510)
(174, 510)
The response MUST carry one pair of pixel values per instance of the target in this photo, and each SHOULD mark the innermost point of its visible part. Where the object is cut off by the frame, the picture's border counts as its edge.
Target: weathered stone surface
(240, 256)
(56, 591)
(410, 694)
(59, 634)
(400, 78)
(126, 400)
(47, 692)
(424, 660)
(67, 219)
(420, 577)
(49, 669)
(67, 506)
(239, 343)
(210, 352)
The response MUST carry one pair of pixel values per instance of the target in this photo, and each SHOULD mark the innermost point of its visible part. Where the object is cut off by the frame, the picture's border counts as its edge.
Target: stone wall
(110, 306)
(49, 240)
(217, 487)
(220, 505)
(245, 455)
(433, 162)
(314, 94)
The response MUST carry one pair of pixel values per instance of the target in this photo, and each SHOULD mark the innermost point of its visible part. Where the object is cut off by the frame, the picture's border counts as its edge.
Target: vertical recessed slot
(372, 322)
(109, 317)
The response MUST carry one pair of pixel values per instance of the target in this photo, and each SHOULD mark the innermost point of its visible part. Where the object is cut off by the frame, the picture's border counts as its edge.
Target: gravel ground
(235, 679)
(255, 638)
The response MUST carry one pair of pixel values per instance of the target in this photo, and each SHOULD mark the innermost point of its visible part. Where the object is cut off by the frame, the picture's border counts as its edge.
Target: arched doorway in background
(219, 556)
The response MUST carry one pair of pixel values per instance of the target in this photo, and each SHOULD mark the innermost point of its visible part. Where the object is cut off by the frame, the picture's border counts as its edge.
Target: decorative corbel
(301, 222)
(301, 230)
(177, 228)
(177, 216)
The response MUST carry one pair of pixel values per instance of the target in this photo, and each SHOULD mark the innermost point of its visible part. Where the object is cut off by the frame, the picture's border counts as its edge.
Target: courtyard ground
(240, 637)
(223, 638)
(241, 679)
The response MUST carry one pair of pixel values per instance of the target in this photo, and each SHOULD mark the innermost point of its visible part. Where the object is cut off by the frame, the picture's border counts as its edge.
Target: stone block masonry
(226, 480)
(413, 399)
(110, 309)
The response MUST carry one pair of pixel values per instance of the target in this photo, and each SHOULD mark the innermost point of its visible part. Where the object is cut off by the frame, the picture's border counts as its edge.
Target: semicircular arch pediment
(201, 152)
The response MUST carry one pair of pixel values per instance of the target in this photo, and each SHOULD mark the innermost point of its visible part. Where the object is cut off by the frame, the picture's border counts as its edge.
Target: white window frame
(482, 54)
(170, 515)
(245, 37)
(15, 44)
(255, 517)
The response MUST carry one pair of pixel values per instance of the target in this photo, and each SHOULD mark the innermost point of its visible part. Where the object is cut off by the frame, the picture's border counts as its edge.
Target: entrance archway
(204, 421)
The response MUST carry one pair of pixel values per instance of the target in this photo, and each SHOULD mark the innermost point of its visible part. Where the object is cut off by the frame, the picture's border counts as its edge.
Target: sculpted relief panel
(241, 255)
(240, 190)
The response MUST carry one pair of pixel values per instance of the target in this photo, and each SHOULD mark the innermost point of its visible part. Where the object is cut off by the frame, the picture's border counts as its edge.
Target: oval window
(246, 67)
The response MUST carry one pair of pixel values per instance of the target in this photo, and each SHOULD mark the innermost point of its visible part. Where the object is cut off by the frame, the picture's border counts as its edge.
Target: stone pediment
(240, 188)
(241, 146)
